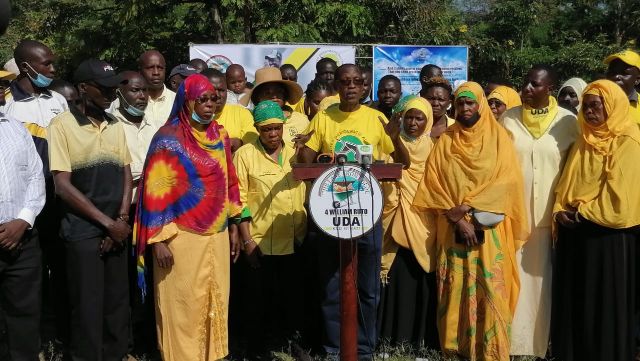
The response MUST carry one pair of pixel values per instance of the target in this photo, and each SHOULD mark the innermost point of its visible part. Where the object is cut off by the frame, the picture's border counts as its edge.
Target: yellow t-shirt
(238, 122)
(274, 199)
(299, 106)
(328, 101)
(338, 131)
(634, 109)
(296, 124)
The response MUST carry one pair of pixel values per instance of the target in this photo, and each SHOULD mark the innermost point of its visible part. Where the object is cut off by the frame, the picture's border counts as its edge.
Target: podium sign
(346, 201)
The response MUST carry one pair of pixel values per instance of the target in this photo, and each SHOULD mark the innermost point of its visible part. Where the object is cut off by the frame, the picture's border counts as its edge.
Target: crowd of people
(158, 213)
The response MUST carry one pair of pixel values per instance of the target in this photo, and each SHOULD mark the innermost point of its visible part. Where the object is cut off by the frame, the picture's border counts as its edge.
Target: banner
(405, 62)
(253, 57)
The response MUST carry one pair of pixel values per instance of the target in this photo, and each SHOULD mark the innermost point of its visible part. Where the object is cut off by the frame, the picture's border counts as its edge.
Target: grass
(400, 352)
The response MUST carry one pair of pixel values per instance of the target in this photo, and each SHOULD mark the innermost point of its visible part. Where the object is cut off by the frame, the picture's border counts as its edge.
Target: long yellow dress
(195, 291)
(477, 286)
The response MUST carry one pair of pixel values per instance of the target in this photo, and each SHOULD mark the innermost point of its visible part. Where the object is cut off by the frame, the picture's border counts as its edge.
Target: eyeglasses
(203, 100)
(347, 82)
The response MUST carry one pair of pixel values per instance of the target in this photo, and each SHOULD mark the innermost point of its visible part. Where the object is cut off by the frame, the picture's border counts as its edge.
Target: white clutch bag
(487, 219)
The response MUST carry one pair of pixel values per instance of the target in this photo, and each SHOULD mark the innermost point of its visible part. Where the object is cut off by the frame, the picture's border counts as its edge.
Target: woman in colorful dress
(188, 197)
(476, 197)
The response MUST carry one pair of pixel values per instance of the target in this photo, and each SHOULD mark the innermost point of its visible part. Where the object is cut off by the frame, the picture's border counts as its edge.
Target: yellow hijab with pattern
(601, 174)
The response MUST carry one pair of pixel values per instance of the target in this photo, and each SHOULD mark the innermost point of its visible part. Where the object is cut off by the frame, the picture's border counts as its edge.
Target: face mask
(40, 81)
(196, 118)
(133, 111)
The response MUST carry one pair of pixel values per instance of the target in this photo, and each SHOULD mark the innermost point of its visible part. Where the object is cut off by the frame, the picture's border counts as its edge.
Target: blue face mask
(133, 111)
(40, 81)
(196, 118)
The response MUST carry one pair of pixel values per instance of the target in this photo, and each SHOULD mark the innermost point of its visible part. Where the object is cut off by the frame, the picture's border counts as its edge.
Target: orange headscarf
(475, 166)
(601, 174)
(507, 95)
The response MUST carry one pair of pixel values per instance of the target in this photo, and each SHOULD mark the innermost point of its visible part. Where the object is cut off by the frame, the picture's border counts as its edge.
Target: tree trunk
(249, 34)
(618, 21)
(217, 22)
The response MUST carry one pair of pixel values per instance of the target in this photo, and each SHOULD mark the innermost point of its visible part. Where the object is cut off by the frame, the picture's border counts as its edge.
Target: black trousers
(99, 300)
(20, 292)
(272, 307)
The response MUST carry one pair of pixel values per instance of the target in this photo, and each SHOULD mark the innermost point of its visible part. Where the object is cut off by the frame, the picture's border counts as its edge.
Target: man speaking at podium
(339, 130)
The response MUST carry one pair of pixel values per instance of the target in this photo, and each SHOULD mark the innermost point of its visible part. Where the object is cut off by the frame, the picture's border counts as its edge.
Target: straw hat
(273, 75)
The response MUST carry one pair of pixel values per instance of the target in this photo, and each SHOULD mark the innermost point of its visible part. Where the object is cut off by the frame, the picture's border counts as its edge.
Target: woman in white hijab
(569, 95)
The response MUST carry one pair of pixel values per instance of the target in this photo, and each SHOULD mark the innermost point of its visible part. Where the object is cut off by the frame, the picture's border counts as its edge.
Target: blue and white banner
(405, 62)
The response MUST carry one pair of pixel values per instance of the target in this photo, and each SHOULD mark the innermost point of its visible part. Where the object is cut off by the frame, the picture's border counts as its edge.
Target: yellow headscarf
(424, 106)
(475, 166)
(506, 95)
(601, 174)
(403, 225)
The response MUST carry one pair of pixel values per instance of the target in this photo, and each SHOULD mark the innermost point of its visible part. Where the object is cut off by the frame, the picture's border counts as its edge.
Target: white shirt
(22, 191)
(139, 138)
(36, 109)
(541, 159)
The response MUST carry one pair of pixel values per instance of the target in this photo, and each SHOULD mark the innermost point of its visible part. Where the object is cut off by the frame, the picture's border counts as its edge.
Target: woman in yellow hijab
(502, 99)
(597, 215)
(472, 190)
(408, 302)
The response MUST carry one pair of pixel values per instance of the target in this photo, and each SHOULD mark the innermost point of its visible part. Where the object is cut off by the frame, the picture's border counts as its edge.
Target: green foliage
(505, 37)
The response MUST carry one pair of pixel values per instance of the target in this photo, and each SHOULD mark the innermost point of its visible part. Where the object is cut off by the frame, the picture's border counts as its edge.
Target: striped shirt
(22, 193)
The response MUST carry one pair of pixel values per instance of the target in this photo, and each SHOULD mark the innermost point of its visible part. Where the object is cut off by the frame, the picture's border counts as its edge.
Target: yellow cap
(628, 56)
(7, 75)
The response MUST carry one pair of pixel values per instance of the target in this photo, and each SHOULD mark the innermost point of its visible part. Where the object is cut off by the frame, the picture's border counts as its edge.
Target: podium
(348, 246)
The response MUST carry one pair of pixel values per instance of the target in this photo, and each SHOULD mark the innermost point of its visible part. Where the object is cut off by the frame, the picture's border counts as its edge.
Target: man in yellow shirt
(338, 129)
(237, 120)
(275, 202)
(624, 70)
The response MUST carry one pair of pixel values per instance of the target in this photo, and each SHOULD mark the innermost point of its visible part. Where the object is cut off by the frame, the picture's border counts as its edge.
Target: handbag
(486, 220)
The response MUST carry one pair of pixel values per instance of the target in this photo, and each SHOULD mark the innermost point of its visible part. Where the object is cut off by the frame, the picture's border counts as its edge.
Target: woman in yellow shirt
(597, 216)
(471, 189)
(274, 201)
(408, 299)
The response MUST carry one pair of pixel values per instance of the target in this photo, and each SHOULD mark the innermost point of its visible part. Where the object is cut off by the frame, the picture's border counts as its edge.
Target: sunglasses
(205, 99)
(347, 82)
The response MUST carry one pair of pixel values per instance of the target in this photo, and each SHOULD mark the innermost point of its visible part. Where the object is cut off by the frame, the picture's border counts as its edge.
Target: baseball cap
(183, 69)
(98, 71)
(628, 56)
